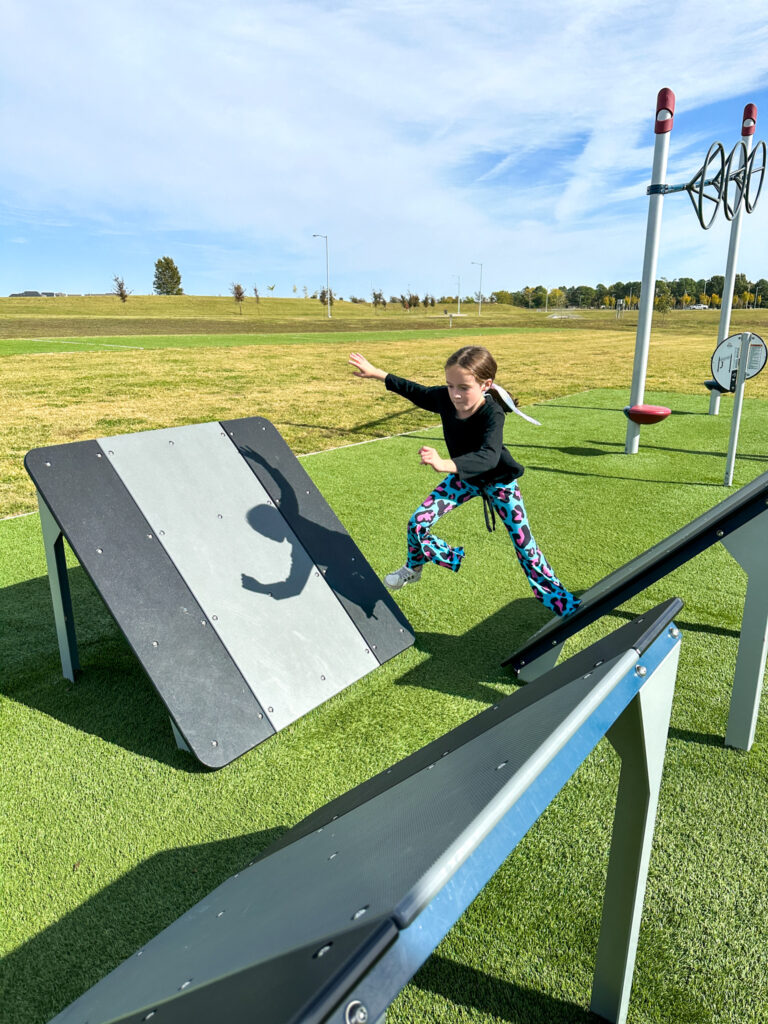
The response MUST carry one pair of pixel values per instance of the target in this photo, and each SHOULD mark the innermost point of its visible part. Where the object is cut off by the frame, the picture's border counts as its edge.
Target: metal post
(714, 402)
(738, 398)
(327, 275)
(480, 306)
(458, 295)
(55, 557)
(747, 545)
(665, 109)
(747, 133)
(639, 736)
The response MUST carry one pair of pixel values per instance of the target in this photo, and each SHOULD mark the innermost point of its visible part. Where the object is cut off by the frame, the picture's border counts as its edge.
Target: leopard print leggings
(424, 547)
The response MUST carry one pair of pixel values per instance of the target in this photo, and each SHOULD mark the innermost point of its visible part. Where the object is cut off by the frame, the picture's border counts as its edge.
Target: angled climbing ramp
(740, 524)
(336, 917)
(242, 595)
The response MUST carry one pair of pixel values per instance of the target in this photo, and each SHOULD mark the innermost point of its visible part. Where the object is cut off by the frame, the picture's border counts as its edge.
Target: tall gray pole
(748, 125)
(327, 275)
(738, 399)
(480, 307)
(665, 110)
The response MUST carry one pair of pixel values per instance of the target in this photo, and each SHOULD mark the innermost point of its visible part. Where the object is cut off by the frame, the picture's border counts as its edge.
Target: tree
(119, 289)
(323, 296)
(238, 294)
(664, 300)
(271, 287)
(167, 277)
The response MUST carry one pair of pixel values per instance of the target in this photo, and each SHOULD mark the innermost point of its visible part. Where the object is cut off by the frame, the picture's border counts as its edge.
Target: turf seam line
(370, 440)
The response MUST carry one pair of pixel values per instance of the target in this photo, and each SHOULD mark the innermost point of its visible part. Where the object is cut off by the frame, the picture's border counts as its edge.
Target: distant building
(34, 295)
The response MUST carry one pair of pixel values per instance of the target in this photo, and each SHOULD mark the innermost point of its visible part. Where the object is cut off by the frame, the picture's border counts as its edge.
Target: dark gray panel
(271, 607)
(200, 685)
(367, 602)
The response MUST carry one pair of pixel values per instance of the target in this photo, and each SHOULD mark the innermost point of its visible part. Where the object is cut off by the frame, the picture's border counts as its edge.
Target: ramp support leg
(639, 736)
(714, 402)
(181, 743)
(749, 548)
(55, 557)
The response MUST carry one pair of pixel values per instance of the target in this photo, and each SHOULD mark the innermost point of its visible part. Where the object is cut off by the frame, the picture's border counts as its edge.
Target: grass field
(110, 833)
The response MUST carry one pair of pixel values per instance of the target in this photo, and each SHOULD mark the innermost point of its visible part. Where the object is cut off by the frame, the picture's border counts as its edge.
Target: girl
(472, 409)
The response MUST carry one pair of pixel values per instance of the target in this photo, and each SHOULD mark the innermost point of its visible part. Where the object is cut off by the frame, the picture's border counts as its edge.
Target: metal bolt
(215, 618)
(149, 536)
(99, 551)
(322, 678)
(47, 463)
(359, 913)
(270, 709)
(203, 622)
(334, 855)
(260, 715)
(220, 914)
(162, 533)
(674, 632)
(98, 455)
(110, 452)
(154, 643)
(719, 533)
(150, 1015)
(322, 951)
(214, 743)
(554, 643)
(356, 1013)
(641, 670)
(500, 766)
(219, 516)
(170, 442)
(188, 982)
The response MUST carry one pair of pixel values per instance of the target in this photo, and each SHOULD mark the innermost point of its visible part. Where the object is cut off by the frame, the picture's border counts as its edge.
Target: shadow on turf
(476, 675)
(112, 697)
(49, 971)
(504, 1000)
(686, 451)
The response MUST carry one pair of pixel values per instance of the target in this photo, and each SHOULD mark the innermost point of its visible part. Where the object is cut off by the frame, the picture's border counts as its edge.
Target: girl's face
(466, 392)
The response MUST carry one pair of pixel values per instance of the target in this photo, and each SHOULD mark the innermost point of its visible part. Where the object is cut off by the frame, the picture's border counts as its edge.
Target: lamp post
(480, 306)
(327, 276)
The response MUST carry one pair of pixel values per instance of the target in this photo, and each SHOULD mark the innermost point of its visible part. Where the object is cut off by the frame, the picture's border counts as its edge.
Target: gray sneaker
(397, 579)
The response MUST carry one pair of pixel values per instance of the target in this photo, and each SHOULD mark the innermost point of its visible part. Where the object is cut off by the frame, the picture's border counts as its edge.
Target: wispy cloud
(418, 136)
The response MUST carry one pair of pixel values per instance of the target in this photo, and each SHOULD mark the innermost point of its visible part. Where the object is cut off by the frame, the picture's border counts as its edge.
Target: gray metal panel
(197, 680)
(347, 572)
(390, 855)
(270, 605)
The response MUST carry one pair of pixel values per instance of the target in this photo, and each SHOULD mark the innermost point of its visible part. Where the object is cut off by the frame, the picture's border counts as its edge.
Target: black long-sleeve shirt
(475, 444)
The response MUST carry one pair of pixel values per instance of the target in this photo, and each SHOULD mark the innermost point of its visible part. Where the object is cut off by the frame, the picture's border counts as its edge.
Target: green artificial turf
(109, 833)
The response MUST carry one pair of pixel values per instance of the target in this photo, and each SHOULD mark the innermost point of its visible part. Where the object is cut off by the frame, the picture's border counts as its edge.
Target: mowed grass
(302, 382)
(110, 833)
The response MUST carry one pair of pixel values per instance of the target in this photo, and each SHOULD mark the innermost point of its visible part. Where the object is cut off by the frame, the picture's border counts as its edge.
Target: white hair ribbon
(509, 402)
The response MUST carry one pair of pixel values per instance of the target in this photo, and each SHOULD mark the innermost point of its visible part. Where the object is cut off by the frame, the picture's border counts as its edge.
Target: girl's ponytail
(507, 402)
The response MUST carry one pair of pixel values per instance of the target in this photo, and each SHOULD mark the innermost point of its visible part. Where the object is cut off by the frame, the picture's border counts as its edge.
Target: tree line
(680, 293)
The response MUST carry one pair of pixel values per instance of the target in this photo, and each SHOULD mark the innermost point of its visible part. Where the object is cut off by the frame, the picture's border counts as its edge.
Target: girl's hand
(429, 457)
(364, 368)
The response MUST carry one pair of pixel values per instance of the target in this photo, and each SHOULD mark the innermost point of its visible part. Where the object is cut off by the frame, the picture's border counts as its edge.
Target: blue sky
(419, 136)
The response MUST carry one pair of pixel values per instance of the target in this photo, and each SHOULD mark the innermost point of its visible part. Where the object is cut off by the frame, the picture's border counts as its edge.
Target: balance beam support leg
(540, 665)
(55, 557)
(748, 547)
(639, 737)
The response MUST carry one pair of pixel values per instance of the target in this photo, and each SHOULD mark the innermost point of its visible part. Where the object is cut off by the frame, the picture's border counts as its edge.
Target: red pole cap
(665, 111)
(750, 119)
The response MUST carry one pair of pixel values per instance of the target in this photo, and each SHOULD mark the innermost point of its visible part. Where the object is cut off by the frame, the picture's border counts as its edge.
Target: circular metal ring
(752, 192)
(734, 180)
(707, 185)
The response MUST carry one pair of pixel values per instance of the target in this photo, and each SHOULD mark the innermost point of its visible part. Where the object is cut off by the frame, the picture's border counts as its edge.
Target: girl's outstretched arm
(364, 368)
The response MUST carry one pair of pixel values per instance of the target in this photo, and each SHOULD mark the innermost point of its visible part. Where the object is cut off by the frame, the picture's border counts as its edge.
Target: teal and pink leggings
(424, 547)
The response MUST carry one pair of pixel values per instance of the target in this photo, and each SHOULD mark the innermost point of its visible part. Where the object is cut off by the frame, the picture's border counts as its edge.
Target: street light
(327, 276)
(480, 307)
